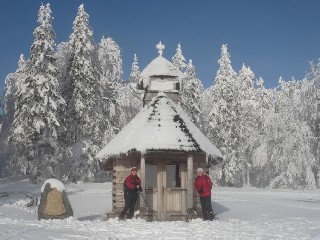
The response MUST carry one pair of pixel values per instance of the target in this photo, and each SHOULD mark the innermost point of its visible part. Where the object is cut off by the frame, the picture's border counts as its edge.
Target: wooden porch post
(190, 181)
(143, 178)
(207, 160)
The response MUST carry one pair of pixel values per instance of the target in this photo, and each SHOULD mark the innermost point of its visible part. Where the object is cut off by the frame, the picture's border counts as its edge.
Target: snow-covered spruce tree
(206, 105)
(12, 83)
(192, 90)
(34, 130)
(178, 59)
(131, 97)
(288, 157)
(110, 58)
(223, 117)
(110, 62)
(264, 104)
(310, 88)
(110, 72)
(63, 56)
(247, 125)
(135, 71)
(82, 116)
(127, 98)
(130, 100)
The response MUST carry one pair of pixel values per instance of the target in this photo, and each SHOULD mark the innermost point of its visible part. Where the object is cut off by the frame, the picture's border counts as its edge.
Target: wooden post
(143, 178)
(207, 160)
(190, 182)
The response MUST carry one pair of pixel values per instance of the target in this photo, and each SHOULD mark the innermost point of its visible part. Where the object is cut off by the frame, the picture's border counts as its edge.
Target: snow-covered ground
(246, 213)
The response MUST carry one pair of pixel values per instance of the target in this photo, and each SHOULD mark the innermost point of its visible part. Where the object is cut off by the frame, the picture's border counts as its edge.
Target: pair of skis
(192, 211)
(150, 210)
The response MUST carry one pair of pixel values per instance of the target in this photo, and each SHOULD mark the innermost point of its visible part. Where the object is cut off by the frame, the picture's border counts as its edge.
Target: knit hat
(199, 170)
(134, 169)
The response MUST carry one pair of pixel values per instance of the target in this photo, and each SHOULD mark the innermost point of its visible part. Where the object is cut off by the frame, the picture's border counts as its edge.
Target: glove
(139, 188)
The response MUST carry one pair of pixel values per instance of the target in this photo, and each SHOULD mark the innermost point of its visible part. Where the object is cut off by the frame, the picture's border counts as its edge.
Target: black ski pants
(130, 203)
(207, 212)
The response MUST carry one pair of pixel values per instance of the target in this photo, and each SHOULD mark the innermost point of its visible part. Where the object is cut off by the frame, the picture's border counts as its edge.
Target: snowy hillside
(246, 213)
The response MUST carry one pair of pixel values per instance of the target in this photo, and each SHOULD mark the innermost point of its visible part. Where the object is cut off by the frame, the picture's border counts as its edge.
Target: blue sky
(276, 38)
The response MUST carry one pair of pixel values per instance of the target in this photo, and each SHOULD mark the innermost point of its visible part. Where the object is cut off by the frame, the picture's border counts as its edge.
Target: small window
(177, 86)
(173, 176)
(151, 176)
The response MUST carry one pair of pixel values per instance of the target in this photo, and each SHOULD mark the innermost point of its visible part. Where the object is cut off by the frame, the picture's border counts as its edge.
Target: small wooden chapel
(163, 143)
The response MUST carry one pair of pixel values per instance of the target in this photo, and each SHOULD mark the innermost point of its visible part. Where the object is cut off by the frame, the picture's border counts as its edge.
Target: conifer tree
(289, 159)
(247, 125)
(35, 125)
(192, 90)
(223, 116)
(110, 59)
(82, 117)
(12, 83)
(310, 110)
(126, 96)
(178, 59)
(264, 101)
(62, 55)
(132, 97)
(110, 74)
(135, 72)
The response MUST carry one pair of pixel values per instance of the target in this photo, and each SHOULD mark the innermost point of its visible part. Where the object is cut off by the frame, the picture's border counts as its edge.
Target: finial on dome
(160, 48)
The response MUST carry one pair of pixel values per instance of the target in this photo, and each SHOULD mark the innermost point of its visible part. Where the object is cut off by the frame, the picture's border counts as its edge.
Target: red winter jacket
(132, 182)
(203, 185)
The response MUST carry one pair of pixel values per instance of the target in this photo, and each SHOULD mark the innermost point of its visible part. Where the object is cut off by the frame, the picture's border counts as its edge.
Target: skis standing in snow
(192, 211)
(151, 211)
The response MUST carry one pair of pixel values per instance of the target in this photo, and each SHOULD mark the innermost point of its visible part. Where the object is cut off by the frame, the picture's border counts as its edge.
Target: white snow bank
(21, 205)
(54, 183)
(247, 213)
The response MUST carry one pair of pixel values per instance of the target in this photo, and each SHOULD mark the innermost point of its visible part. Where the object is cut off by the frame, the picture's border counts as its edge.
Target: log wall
(122, 169)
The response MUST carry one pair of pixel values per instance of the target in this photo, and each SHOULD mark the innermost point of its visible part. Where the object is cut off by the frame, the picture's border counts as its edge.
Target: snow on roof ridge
(161, 125)
(160, 66)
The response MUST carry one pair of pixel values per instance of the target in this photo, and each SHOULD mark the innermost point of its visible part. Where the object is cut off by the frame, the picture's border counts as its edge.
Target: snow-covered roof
(159, 67)
(54, 183)
(161, 125)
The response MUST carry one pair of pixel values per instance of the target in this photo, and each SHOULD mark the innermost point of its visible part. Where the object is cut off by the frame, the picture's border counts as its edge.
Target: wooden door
(166, 190)
(172, 195)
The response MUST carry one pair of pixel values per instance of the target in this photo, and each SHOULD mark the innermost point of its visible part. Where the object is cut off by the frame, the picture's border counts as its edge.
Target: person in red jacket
(203, 186)
(131, 187)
